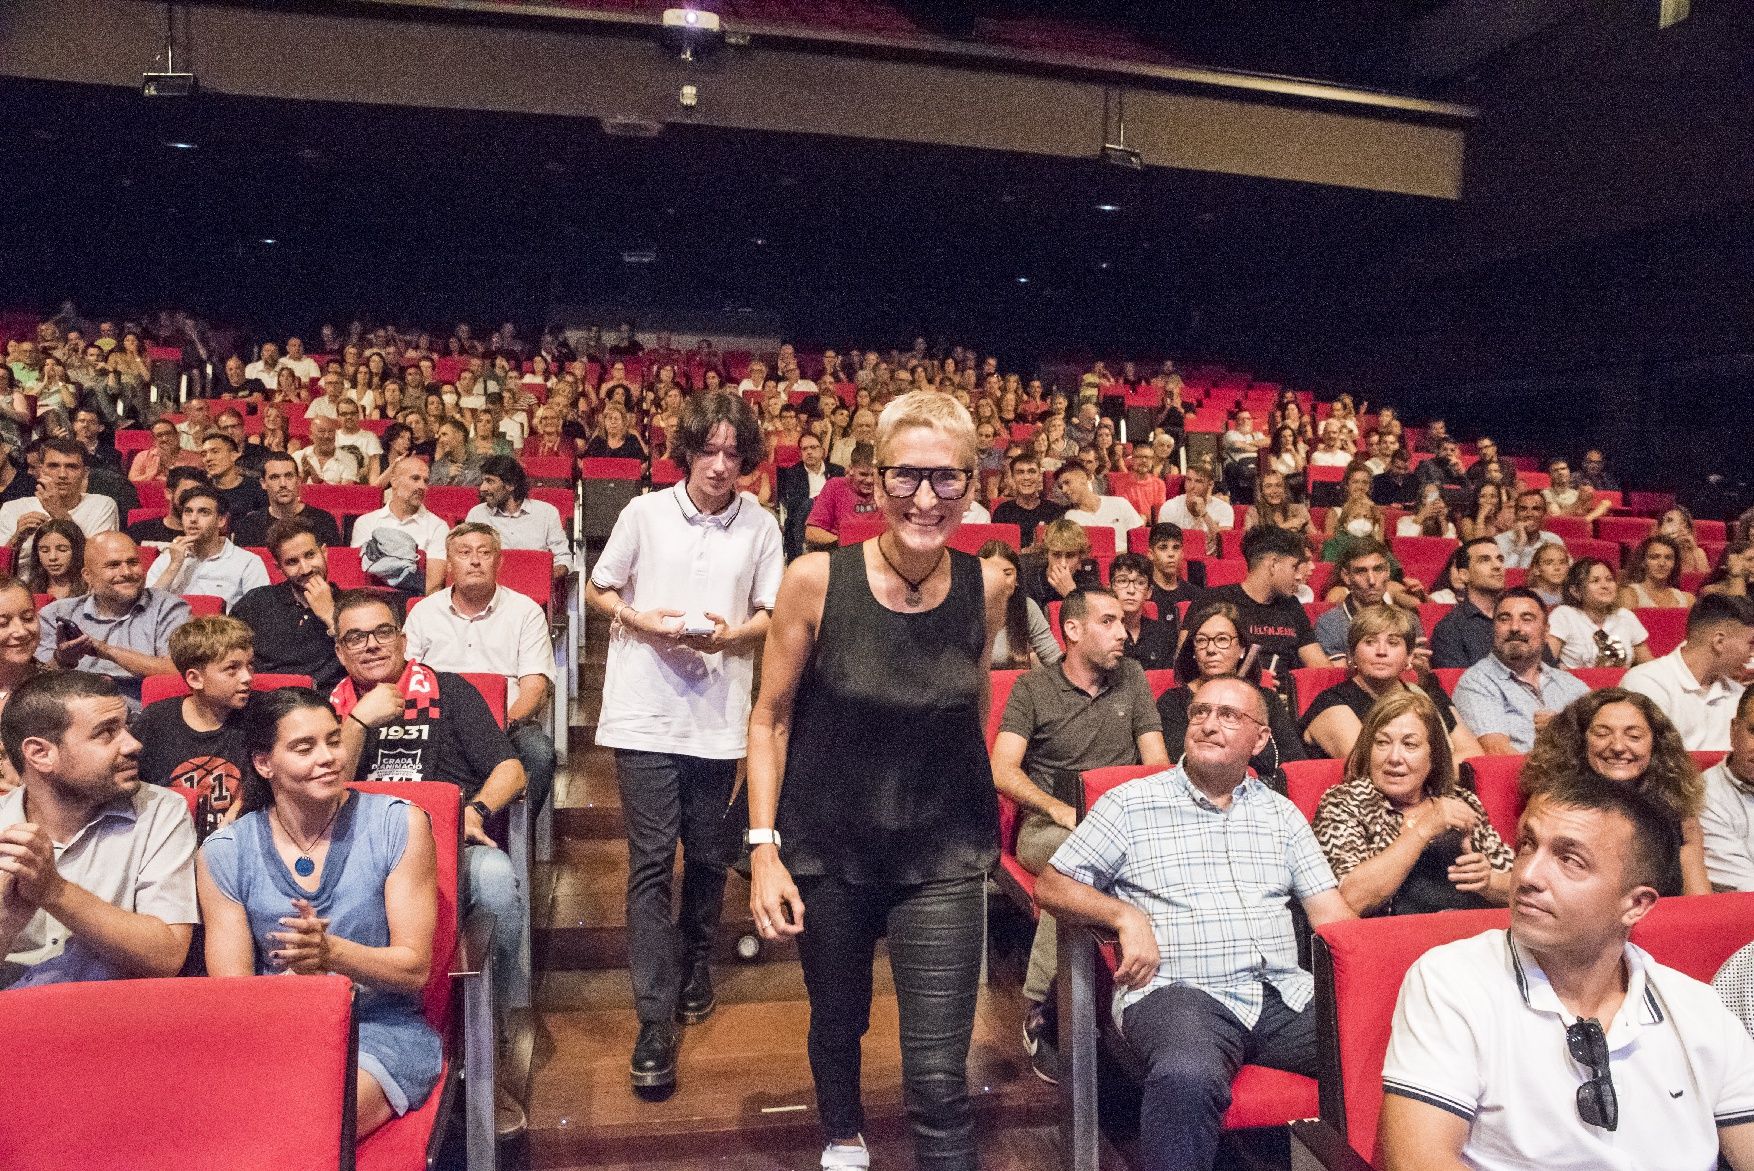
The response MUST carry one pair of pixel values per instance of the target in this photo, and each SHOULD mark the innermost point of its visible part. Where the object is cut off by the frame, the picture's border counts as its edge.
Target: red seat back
(861, 527)
(1003, 682)
(1625, 529)
(106, 1058)
(1307, 780)
(451, 502)
(1308, 682)
(609, 469)
(1447, 678)
(1099, 781)
(1599, 678)
(1666, 627)
(1102, 542)
(1496, 784)
(1568, 528)
(1159, 681)
(1581, 547)
(343, 499)
(1225, 572)
(156, 687)
(1431, 613)
(548, 467)
(443, 803)
(204, 605)
(970, 538)
(493, 690)
(530, 572)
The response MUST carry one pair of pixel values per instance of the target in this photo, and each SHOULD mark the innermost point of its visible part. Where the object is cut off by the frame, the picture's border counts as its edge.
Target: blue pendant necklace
(305, 866)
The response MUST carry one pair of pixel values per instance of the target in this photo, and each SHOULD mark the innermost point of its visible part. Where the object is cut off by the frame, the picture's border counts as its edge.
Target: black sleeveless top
(887, 778)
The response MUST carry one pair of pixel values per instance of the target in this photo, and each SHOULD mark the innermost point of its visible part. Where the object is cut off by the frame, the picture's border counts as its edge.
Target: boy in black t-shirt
(158, 530)
(1168, 586)
(193, 741)
(1272, 617)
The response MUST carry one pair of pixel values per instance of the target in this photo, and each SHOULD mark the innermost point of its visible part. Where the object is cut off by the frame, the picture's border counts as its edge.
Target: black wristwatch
(481, 808)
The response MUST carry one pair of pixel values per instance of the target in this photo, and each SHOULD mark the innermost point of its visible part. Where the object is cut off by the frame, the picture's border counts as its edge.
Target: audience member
(1026, 634)
(1523, 539)
(1403, 837)
(1197, 510)
(1150, 641)
(204, 560)
(194, 741)
(1062, 564)
(1381, 648)
(159, 531)
(1215, 647)
(1727, 818)
(1593, 629)
(1565, 498)
(799, 486)
(1273, 506)
(478, 625)
(1518, 1048)
(295, 618)
(60, 494)
(405, 512)
(688, 578)
(96, 870)
(317, 878)
(1208, 975)
(1621, 736)
(1266, 601)
(119, 627)
(1027, 508)
(280, 487)
(842, 498)
(1464, 636)
(1594, 472)
(220, 455)
(1698, 684)
(1547, 572)
(322, 462)
(1092, 710)
(522, 523)
(1365, 572)
(1676, 523)
(1511, 694)
(1651, 577)
(1444, 471)
(1735, 573)
(1174, 581)
(1088, 509)
(53, 557)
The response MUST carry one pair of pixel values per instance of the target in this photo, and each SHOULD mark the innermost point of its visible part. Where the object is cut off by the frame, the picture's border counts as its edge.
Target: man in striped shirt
(1194, 869)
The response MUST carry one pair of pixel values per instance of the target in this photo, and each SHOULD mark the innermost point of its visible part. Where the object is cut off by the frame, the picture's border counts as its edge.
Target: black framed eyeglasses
(903, 482)
(1597, 1104)
(354, 639)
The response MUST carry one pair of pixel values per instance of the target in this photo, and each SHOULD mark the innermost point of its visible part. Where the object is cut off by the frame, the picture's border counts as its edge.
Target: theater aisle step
(744, 1080)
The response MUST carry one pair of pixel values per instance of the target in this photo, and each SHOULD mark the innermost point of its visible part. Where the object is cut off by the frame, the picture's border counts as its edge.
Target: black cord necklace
(912, 597)
(305, 866)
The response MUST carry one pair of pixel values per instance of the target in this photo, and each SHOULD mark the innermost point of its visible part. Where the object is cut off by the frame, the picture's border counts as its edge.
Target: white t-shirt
(1701, 714)
(1727, 821)
(1113, 512)
(1573, 627)
(341, 468)
(509, 638)
(664, 553)
(1330, 459)
(93, 514)
(428, 530)
(1479, 1032)
(305, 367)
(228, 574)
(1409, 527)
(362, 440)
(1176, 512)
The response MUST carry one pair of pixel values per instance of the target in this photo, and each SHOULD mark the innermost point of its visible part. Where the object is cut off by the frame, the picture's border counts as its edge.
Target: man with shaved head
(1194, 868)
(124, 626)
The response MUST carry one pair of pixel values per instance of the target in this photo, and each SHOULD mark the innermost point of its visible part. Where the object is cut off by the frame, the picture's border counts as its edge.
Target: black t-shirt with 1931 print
(451, 736)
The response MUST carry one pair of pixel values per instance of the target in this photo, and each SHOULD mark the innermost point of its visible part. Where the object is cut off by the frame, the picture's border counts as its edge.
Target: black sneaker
(654, 1056)
(1038, 1042)
(697, 1001)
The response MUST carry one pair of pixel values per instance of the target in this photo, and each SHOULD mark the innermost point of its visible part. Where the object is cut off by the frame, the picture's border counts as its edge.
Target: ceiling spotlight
(269, 240)
(1023, 280)
(1108, 207)
(181, 145)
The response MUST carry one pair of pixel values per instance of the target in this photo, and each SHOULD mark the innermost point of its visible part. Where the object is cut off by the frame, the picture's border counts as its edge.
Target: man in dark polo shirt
(1090, 710)
(1272, 617)
(1464, 636)
(294, 620)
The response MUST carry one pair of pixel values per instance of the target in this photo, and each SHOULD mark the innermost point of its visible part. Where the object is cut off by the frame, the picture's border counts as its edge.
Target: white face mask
(1360, 526)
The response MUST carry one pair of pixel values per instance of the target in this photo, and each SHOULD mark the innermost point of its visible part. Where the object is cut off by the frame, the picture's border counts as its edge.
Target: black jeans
(1193, 1047)
(935, 932)
(666, 798)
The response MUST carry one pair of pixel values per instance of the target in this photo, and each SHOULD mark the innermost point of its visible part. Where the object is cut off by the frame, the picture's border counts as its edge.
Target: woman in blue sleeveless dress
(316, 878)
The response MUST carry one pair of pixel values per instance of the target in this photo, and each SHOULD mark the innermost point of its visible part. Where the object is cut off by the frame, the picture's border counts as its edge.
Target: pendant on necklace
(304, 867)
(912, 597)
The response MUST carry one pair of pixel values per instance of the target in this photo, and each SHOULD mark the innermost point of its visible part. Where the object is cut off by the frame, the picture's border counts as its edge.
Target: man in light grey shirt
(97, 871)
(1728, 817)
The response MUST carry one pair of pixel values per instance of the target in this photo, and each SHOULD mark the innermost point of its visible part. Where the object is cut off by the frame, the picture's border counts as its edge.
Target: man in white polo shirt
(204, 560)
(689, 577)
(1695, 684)
(1196, 510)
(1499, 1057)
(522, 523)
(479, 625)
(1094, 511)
(407, 511)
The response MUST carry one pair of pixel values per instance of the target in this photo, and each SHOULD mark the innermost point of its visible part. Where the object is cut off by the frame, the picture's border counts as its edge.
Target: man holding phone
(689, 576)
(120, 628)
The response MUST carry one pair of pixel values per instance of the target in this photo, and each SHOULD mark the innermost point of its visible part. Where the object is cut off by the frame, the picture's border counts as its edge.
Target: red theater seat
(1307, 780)
(1600, 678)
(1625, 530)
(265, 1066)
(1666, 627)
(1309, 682)
(156, 687)
(1568, 528)
(204, 605)
(1496, 784)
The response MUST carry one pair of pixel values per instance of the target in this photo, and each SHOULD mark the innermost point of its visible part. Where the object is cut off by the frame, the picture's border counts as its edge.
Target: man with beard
(294, 621)
(1511, 694)
(522, 523)
(280, 482)
(97, 871)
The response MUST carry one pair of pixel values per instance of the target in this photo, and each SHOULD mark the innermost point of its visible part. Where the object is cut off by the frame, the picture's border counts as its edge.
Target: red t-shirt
(836, 503)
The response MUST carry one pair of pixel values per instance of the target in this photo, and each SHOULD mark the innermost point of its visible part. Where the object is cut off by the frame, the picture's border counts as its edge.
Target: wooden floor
(744, 1098)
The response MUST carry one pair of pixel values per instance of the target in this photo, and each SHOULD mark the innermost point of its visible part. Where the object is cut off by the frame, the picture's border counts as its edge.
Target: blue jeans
(493, 883)
(1193, 1046)
(535, 749)
(935, 940)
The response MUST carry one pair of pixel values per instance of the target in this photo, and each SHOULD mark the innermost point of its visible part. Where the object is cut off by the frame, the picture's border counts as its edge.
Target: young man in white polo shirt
(407, 511)
(1499, 1056)
(60, 493)
(1695, 684)
(689, 576)
(204, 560)
(476, 624)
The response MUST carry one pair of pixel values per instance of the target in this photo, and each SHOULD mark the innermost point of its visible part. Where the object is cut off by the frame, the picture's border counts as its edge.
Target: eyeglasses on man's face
(1228, 717)
(903, 482)
(382, 635)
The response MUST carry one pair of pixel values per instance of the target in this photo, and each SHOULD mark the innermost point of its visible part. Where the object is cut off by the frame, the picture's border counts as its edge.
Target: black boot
(697, 1001)
(654, 1055)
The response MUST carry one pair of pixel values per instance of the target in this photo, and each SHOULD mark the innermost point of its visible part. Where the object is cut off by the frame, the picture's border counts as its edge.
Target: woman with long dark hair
(1026, 631)
(873, 694)
(315, 878)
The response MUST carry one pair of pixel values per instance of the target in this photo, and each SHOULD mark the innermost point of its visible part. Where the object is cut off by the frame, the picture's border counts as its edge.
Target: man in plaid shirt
(1194, 869)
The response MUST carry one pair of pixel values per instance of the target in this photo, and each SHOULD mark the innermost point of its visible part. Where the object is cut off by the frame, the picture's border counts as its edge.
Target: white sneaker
(838, 1157)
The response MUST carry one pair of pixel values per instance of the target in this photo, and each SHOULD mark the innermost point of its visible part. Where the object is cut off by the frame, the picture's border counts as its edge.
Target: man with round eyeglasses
(1194, 869)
